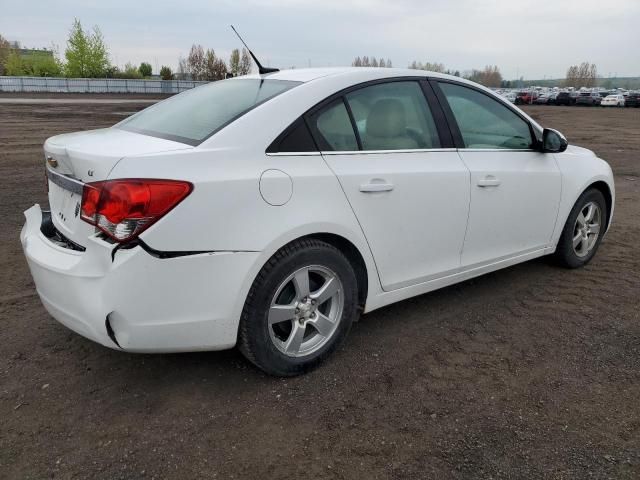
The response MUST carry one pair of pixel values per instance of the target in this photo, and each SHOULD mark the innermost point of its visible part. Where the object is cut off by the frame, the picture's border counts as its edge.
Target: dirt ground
(530, 372)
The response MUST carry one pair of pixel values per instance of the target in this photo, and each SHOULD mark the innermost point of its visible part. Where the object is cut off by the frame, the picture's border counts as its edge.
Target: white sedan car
(269, 211)
(615, 100)
(510, 96)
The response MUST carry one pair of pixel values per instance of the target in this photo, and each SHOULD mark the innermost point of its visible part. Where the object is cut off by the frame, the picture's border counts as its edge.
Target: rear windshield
(196, 114)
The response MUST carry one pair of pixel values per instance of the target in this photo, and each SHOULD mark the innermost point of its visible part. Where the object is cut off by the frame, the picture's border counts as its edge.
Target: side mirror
(553, 141)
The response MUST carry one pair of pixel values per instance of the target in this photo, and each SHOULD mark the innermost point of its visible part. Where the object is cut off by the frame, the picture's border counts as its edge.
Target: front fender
(580, 168)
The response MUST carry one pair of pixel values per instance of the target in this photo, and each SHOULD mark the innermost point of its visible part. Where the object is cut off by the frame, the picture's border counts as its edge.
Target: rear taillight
(123, 209)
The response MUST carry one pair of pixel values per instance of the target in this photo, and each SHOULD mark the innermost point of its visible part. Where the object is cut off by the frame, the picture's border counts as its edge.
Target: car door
(515, 189)
(407, 186)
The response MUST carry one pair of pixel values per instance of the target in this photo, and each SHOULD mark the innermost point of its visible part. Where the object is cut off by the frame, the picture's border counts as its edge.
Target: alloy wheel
(587, 229)
(305, 311)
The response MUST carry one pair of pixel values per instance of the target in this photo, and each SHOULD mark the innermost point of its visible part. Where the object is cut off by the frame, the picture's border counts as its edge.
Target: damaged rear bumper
(134, 300)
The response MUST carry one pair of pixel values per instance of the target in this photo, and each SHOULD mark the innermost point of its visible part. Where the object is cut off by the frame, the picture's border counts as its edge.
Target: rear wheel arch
(346, 247)
(355, 258)
(326, 252)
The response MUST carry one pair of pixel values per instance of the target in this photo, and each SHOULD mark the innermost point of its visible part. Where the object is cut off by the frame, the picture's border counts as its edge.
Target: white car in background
(269, 211)
(615, 100)
(510, 96)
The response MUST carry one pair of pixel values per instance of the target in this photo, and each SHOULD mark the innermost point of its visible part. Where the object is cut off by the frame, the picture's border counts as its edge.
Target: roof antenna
(261, 70)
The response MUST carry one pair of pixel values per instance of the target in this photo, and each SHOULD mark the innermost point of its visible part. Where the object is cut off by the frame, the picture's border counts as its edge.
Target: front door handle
(489, 181)
(374, 186)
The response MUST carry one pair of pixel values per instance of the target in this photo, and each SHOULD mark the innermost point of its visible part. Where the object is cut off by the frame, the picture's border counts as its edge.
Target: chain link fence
(94, 85)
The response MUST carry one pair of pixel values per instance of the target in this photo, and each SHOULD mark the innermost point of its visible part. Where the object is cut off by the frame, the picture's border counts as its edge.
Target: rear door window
(393, 116)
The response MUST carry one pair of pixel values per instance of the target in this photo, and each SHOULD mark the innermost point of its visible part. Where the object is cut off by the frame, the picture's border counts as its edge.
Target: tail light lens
(123, 209)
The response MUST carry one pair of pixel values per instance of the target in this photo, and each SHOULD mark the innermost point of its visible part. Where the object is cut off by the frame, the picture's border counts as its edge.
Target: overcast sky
(533, 39)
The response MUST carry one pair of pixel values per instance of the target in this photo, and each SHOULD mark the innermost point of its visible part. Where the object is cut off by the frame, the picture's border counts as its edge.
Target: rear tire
(299, 309)
(583, 231)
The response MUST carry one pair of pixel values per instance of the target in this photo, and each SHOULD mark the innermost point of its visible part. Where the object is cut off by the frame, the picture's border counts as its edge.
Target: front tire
(583, 230)
(299, 309)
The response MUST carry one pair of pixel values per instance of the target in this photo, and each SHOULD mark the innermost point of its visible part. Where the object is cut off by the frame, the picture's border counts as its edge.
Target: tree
(130, 71)
(371, 62)
(219, 69)
(183, 70)
(37, 64)
(210, 65)
(13, 64)
(112, 71)
(145, 69)
(197, 63)
(216, 68)
(166, 73)
(86, 53)
(583, 75)
(489, 77)
(432, 67)
(4, 53)
(571, 79)
(234, 62)
(389, 65)
(245, 63)
(41, 65)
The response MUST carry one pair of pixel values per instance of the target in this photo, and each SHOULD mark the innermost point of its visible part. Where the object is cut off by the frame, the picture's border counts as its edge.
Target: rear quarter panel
(226, 211)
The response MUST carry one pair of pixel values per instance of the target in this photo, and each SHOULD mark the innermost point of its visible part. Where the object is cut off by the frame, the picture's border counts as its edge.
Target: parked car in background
(566, 98)
(632, 100)
(352, 189)
(615, 100)
(589, 98)
(543, 99)
(511, 96)
(527, 97)
(548, 98)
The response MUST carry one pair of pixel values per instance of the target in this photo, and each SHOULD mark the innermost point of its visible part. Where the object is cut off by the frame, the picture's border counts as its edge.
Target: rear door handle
(376, 187)
(489, 181)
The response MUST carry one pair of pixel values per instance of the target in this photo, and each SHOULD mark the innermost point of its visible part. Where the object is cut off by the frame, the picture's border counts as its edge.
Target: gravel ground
(530, 372)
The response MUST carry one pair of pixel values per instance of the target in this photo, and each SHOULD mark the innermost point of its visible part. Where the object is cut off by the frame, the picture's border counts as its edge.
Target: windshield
(196, 114)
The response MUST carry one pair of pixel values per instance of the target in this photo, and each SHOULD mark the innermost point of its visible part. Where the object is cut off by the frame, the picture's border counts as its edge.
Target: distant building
(28, 52)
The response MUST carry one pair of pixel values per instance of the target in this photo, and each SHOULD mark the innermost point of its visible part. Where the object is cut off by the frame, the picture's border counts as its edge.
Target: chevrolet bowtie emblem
(52, 161)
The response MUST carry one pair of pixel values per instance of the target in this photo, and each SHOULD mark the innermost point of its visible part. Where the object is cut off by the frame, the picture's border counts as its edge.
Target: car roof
(310, 74)
(270, 118)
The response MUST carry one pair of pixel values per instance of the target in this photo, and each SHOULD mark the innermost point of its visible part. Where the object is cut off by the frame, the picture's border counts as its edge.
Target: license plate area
(65, 197)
